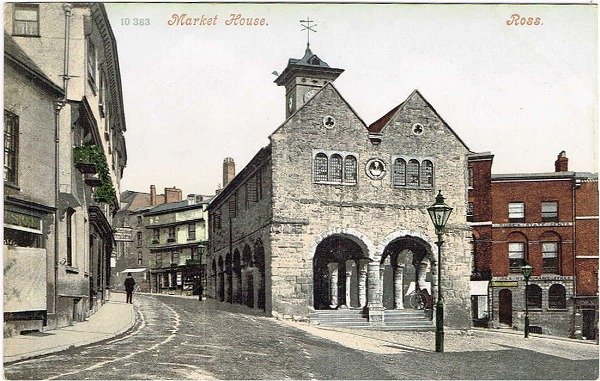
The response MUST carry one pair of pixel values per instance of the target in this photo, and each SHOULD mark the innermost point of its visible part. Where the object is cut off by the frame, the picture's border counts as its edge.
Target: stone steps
(394, 320)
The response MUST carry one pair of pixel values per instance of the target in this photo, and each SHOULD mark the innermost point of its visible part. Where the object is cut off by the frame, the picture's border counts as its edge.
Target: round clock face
(309, 94)
(375, 169)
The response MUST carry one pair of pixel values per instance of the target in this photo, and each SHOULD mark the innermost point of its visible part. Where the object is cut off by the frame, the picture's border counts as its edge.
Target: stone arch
(339, 272)
(417, 236)
(355, 235)
(406, 268)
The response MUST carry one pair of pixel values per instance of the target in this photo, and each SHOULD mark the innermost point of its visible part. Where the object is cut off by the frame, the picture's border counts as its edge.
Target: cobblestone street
(181, 338)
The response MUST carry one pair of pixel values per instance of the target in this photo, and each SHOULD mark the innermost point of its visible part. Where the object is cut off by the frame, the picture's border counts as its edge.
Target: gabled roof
(311, 100)
(382, 122)
(175, 206)
(16, 55)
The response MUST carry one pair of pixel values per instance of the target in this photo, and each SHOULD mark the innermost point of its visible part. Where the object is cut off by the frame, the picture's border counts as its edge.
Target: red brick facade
(552, 226)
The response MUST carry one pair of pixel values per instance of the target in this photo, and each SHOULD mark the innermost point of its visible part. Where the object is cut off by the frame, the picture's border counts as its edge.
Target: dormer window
(315, 61)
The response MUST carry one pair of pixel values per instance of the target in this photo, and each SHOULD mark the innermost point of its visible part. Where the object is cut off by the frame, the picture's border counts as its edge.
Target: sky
(195, 94)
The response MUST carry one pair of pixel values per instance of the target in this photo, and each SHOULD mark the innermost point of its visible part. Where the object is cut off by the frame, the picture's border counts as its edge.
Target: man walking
(129, 283)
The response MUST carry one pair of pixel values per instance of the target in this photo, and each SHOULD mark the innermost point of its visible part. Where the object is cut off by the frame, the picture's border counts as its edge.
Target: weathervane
(308, 28)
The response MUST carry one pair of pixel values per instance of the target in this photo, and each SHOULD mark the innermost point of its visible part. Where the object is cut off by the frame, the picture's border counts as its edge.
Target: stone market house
(73, 45)
(550, 221)
(332, 213)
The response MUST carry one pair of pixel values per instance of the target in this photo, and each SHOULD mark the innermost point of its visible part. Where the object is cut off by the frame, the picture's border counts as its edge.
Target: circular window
(418, 129)
(375, 169)
(329, 121)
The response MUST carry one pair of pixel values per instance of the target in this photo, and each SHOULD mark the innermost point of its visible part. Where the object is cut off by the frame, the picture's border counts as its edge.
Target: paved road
(178, 338)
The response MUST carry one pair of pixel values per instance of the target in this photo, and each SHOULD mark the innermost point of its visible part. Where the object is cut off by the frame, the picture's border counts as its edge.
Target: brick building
(71, 45)
(549, 220)
(332, 213)
(176, 236)
(131, 252)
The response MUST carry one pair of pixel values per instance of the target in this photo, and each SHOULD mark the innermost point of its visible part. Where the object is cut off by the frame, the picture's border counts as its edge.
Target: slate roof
(174, 206)
(15, 54)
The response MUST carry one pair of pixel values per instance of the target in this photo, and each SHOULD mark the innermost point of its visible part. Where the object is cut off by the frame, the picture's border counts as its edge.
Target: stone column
(226, 284)
(375, 303)
(362, 283)
(348, 285)
(242, 284)
(333, 284)
(398, 287)
(257, 280)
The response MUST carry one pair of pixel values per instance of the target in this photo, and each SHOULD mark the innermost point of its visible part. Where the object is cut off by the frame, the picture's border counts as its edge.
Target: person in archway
(129, 283)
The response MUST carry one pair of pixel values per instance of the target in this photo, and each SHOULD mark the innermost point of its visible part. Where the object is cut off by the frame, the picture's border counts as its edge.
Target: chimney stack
(173, 194)
(228, 170)
(152, 195)
(562, 162)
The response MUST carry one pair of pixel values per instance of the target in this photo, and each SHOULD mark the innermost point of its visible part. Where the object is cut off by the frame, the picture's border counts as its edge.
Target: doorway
(505, 299)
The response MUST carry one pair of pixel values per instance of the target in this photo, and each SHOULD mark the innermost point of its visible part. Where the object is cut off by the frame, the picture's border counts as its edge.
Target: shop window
(171, 237)
(534, 296)
(557, 296)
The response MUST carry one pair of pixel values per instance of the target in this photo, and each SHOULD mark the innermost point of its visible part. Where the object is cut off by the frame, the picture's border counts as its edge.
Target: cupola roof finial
(306, 26)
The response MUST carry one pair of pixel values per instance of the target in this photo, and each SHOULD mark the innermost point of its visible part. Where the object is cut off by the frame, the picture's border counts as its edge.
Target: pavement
(112, 319)
(115, 318)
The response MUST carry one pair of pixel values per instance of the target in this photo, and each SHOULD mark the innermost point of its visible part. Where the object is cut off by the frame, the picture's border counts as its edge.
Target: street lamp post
(439, 213)
(526, 270)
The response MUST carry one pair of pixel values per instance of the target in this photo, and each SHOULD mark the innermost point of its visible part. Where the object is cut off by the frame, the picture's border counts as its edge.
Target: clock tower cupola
(303, 77)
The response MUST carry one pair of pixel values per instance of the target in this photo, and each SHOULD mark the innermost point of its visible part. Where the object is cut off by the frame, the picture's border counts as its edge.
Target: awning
(138, 270)
(479, 287)
(411, 287)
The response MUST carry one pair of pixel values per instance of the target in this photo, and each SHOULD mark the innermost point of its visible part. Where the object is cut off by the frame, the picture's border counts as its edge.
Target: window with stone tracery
(399, 172)
(412, 173)
(427, 174)
(350, 169)
(335, 168)
(321, 169)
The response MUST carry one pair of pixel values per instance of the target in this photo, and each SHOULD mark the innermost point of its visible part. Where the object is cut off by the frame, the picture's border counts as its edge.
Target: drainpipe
(574, 250)
(59, 105)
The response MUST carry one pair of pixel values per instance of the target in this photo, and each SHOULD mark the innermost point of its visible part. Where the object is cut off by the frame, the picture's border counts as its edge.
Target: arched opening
(505, 301)
(228, 277)
(557, 296)
(339, 273)
(214, 279)
(237, 275)
(534, 296)
(405, 269)
(248, 282)
(221, 276)
(259, 261)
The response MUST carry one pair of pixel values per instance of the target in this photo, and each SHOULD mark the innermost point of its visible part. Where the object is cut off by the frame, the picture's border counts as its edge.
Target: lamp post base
(439, 327)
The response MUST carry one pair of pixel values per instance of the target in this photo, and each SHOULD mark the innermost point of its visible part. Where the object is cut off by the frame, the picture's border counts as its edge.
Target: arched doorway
(339, 273)
(505, 301)
(405, 268)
